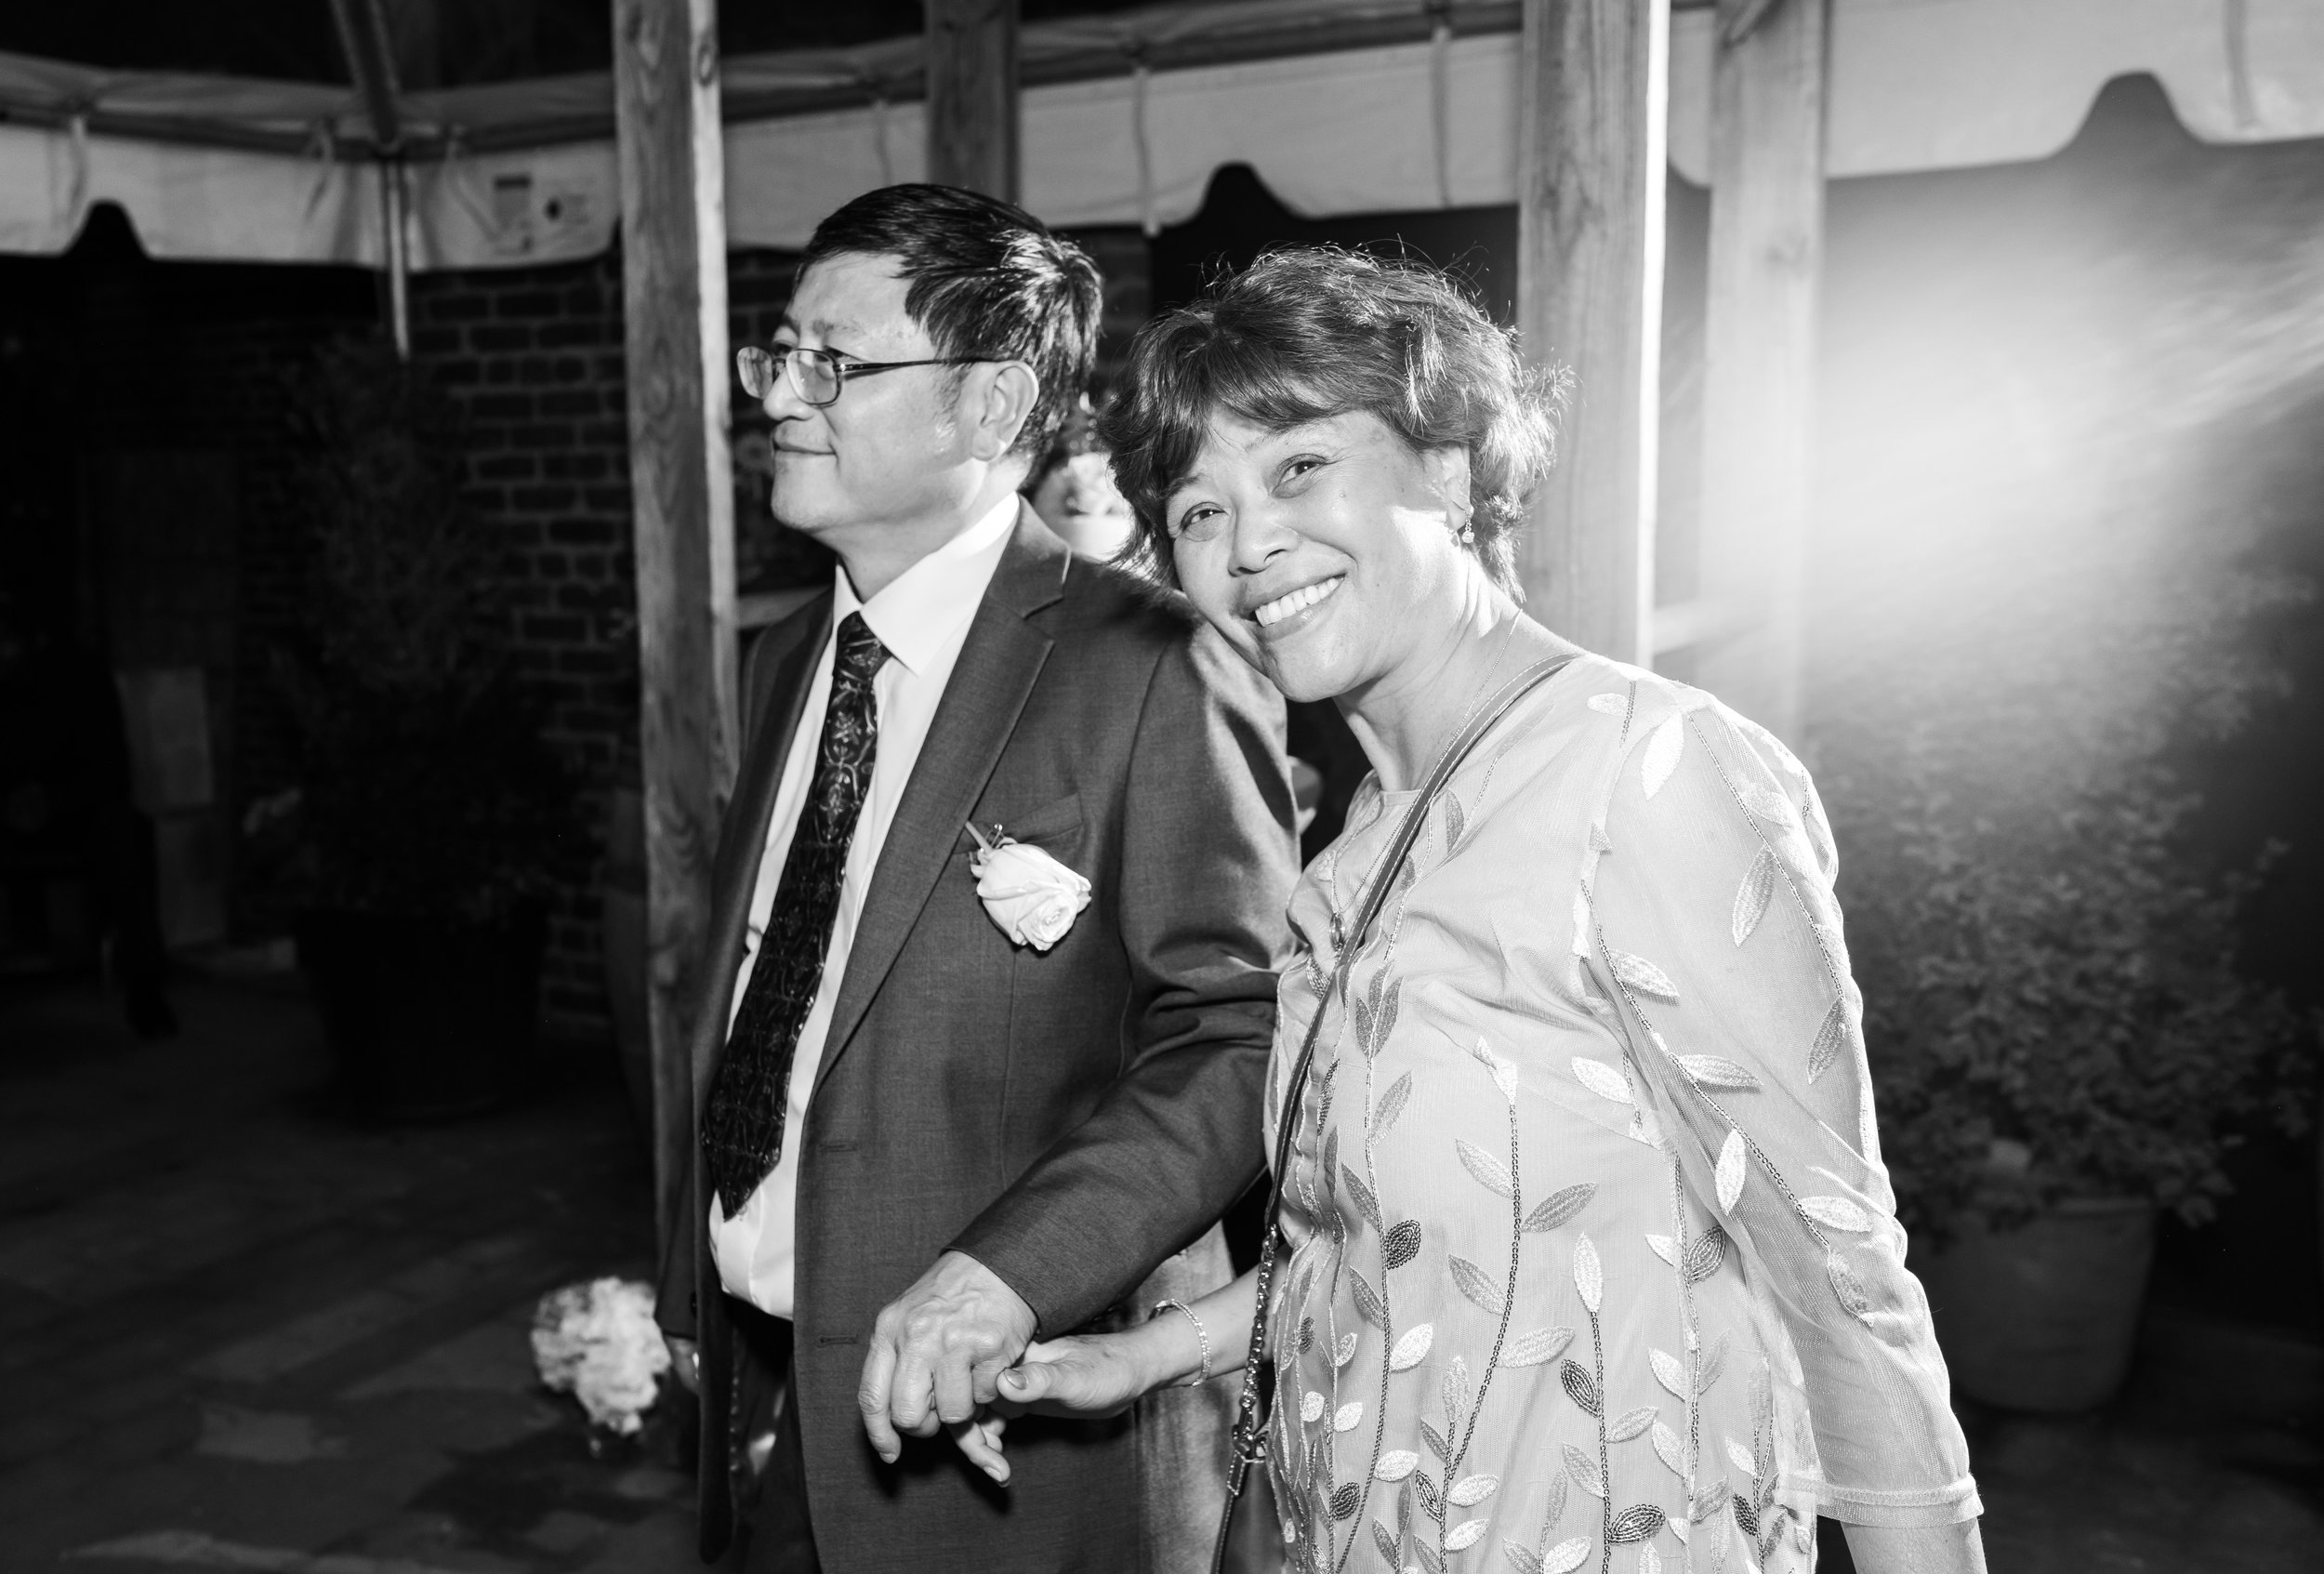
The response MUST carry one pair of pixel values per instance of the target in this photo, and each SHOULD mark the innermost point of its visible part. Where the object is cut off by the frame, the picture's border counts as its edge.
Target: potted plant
(431, 813)
(2062, 1046)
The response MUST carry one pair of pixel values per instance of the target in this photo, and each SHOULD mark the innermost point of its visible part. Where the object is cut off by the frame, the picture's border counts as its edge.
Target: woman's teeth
(1297, 601)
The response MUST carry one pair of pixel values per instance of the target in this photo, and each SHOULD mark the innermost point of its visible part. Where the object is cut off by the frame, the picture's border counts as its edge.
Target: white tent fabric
(241, 170)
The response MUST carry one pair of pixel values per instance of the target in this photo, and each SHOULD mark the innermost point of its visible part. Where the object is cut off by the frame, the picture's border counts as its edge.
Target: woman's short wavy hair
(1307, 333)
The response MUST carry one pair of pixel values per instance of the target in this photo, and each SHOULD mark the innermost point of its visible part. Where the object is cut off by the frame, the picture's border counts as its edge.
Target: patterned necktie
(742, 1129)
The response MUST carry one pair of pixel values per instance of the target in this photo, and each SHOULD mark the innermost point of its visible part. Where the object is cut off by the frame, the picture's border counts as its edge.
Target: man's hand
(685, 1360)
(937, 1351)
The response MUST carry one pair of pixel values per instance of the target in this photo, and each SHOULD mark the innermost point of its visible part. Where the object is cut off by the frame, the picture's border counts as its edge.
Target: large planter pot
(429, 1017)
(2043, 1318)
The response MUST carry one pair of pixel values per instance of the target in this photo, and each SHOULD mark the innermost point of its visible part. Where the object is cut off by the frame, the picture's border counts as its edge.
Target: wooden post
(673, 251)
(1759, 345)
(1591, 153)
(972, 95)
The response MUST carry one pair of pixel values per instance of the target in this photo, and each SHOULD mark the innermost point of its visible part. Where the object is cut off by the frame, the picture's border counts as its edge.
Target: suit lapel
(999, 663)
(736, 872)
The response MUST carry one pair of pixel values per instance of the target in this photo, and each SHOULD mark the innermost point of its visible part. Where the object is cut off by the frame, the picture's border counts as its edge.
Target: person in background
(1592, 1259)
(985, 996)
(1072, 488)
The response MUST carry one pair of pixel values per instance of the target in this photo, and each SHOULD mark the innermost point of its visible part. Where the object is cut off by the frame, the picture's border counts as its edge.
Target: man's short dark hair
(986, 280)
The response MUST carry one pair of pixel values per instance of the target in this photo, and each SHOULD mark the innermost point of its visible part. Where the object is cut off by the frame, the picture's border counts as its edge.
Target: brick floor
(240, 1331)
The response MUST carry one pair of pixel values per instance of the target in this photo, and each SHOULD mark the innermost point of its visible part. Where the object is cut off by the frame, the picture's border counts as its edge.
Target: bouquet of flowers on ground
(598, 1343)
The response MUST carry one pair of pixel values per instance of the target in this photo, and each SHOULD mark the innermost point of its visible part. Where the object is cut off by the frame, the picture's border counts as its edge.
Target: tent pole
(371, 61)
(391, 219)
(972, 104)
(1759, 351)
(1594, 80)
(671, 160)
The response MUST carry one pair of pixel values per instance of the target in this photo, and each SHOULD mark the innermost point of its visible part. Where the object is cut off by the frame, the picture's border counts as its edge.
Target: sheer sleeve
(1716, 955)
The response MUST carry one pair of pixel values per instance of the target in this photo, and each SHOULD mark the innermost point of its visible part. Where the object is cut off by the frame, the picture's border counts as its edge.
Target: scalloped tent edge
(1338, 104)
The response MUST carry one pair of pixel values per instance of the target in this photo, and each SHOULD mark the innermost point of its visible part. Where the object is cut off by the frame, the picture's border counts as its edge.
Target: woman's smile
(1281, 615)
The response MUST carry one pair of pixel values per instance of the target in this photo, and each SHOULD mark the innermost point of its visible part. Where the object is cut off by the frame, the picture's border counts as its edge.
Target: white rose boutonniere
(1032, 897)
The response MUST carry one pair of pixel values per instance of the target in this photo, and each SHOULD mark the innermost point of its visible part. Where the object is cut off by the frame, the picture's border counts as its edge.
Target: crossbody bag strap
(1249, 1427)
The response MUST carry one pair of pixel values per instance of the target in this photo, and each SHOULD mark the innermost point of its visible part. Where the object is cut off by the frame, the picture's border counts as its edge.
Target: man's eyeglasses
(817, 376)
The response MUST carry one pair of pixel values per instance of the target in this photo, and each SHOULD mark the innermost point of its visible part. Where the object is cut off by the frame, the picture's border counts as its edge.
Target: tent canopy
(1342, 106)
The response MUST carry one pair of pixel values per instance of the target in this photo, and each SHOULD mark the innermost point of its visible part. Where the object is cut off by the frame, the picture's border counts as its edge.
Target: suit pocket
(1054, 827)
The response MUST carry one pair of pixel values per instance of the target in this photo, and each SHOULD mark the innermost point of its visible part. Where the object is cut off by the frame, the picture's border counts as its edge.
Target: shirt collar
(919, 612)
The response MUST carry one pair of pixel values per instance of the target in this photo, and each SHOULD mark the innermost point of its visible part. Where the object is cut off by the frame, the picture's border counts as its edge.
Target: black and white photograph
(1066, 786)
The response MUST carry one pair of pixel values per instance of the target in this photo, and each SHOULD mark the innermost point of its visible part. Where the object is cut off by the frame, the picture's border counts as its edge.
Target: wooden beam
(1759, 347)
(972, 119)
(1592, 135)
(673, 251)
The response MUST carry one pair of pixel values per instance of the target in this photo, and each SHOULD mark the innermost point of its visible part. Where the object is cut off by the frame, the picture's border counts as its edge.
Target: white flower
(1032, 896)
(598, 1343)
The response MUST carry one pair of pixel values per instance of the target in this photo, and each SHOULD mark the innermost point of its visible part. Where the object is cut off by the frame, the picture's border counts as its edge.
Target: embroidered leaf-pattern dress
(1595, 1264)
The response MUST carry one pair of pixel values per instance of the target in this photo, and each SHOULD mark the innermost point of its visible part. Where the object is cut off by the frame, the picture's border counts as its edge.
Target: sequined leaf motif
(1609, 704)
(1747, 1516)
(1347, 1417)
(1560, 1208)
(1360, 1013)
(1343, 1501)
(1471, 1490)
(1385, 1023)
(1708, 1500)
(1588, 1273)
(1361, 1194)
(1752, 897)
(1581, 923)
(1830, 1039)
(1704, 1257)
(1601, 1079)
(1332, 1156)
(1435, 1441)
(1554, 1502)
(1476, 1285)
(1629, 1424)
(1639, 973)
(1412, 1347)
(1429, 1562)
(1430, 1504)
(1708, 1367)
(1669, 1372)
(1386, 1544)
(1520, 1558)
(1312, 1407)
(1532, 1349)
(1489, 1171)
(1455, 1392)
(1580, 1386)
(1464, 1535)
(1669, 1450)
(1766, 803)
(1664, 1248)
(1649, 1560)
(1740, 1457)
(1504, 1074)
(1836, 1213)
(1847, 1285)
(1345, 1351)
(1634, 1524)
(1717, 1071)
(1455, 823)
(1367, 1300)
(1733, 1159)
(1662, 755)
(1584, 1470)
(1566, 1557)
(1391, 1104)
(1396, 1465)
(1402, 1244)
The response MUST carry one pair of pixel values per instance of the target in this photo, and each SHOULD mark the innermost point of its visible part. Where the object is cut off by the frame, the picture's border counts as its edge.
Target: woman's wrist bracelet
(1201, 1334)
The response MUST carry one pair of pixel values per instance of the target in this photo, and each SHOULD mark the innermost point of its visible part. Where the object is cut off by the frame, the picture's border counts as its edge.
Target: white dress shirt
(922, 618)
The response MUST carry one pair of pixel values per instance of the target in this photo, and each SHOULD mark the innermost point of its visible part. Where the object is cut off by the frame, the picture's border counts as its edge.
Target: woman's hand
(1087, 1376)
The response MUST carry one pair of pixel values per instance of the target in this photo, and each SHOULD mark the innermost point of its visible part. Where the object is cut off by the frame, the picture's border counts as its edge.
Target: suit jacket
(1073, 1120)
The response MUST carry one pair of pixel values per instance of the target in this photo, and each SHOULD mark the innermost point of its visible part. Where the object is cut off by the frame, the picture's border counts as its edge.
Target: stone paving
(240, 1331)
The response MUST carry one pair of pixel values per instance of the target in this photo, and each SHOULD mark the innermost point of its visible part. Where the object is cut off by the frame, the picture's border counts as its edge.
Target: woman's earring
(1466, 535)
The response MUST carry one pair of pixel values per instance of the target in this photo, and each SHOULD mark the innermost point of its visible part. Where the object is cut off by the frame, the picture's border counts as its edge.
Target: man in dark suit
(933, 1125)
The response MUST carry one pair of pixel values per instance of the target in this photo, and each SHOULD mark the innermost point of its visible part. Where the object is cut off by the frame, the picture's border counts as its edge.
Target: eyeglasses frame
(842, 367)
